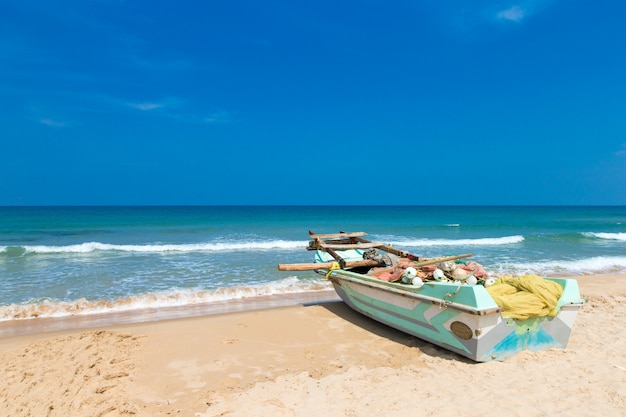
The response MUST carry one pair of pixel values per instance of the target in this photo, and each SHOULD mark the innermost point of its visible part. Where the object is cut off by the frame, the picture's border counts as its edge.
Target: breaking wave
(89, 247)
(608, 236)
(487, 241)
(156, 300)
(587, 266)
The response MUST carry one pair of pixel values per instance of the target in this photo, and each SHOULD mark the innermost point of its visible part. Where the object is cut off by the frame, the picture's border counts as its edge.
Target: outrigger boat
(434, 300)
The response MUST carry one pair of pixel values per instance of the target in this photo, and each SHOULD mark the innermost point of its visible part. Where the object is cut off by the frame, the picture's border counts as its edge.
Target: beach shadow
(342, 310)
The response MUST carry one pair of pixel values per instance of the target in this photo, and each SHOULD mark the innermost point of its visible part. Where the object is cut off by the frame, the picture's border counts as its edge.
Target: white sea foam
(88, 247)
(52, 308)
(487, 241)
(609, 236)
(593, 265)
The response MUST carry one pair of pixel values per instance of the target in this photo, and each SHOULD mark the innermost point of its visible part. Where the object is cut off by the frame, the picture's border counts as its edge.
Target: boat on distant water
(446, 301)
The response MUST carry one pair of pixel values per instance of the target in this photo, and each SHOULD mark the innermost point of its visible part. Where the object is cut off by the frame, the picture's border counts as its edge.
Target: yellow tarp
(526, 296)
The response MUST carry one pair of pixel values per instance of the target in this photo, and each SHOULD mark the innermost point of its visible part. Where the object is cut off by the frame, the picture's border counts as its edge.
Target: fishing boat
(434, 300)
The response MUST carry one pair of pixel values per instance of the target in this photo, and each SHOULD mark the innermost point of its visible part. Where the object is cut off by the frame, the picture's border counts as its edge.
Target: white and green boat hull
(461, 318)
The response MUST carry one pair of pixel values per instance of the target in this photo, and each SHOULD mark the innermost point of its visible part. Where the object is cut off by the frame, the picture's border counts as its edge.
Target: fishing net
(386, 259)
(526, 296)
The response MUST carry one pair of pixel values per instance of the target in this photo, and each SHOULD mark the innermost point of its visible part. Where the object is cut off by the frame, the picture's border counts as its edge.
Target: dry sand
(317, 360)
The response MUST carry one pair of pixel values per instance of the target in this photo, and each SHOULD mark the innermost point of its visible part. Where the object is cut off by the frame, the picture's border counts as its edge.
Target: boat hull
(461, 318)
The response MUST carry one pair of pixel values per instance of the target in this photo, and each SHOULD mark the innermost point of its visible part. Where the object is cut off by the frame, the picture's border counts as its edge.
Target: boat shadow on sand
(342, 310)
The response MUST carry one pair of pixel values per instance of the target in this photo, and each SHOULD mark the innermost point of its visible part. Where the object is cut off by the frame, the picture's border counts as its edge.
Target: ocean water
(59, 261)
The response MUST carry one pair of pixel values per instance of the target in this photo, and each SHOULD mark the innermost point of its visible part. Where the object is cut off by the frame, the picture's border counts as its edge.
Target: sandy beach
(317, 359)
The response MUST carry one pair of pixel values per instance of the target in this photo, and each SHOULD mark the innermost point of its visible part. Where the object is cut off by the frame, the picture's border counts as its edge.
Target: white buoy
(471, 280)
(489, 282)
(417, 282)
(409, 274)
(438, 274)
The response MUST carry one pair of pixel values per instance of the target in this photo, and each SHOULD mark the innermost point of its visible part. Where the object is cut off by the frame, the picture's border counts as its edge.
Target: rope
(333, 267)
(444, 301)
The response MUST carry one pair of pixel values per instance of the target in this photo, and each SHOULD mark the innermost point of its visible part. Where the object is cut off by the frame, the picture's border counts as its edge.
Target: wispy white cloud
(80, 104)
(471, 20)
(53, 123)
(165, 104)
(520, 10)
(514, 14)
(217, 118)
(179, 109)
(145, 106)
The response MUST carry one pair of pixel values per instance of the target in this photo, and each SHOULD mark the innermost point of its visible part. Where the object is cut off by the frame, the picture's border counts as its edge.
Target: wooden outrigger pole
(344, 241)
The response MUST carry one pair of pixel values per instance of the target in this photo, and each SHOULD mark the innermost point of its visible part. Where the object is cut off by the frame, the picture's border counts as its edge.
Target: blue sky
(290, 102)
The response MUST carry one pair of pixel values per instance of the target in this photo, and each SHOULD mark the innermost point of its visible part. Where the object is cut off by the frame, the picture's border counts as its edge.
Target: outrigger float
(446, 301)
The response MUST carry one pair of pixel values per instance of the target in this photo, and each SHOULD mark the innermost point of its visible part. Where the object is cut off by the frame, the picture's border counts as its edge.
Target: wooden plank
(341, 235)
(325, 265)
(348, 240)
(369, 262)
(346, 246)
(434, 261)
(390, 249)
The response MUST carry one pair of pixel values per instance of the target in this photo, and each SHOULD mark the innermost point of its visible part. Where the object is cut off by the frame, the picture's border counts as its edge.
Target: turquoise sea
(60, 261)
